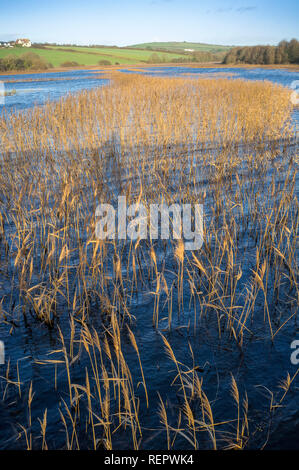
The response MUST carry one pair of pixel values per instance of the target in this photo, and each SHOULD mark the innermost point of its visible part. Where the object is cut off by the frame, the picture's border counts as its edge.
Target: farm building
(5, 44)
(23, 42)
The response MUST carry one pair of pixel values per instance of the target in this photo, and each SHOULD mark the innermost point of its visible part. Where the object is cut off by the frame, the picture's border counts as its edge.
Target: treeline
(26, 61)
(285, 53)
(198, 56)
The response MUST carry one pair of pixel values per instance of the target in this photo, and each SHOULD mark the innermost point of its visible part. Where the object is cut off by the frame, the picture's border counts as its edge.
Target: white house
(23, 42)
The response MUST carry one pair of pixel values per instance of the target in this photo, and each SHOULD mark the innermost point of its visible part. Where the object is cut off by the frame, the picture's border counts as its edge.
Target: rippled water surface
(53, 85)
(38, 88)
(261, 363)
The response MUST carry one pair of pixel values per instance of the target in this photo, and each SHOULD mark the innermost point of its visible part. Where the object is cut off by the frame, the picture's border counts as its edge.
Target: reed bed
(225, 143)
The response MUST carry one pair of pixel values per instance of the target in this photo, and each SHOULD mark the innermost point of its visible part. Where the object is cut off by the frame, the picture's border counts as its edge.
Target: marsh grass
(225, 143)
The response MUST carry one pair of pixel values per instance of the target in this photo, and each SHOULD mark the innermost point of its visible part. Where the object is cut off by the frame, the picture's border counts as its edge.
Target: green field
(57, 55)
(181, 46)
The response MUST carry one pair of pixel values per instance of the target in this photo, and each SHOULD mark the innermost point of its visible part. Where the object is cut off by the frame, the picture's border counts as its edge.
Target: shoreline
(97, 68)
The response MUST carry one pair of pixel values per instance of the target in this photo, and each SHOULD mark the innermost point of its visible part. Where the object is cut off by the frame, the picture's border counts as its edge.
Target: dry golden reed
(153, 140)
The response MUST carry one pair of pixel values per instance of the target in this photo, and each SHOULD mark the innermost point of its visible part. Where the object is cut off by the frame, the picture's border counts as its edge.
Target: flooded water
(38, 88)
(259, 368)
(27, 90)
(285, 77)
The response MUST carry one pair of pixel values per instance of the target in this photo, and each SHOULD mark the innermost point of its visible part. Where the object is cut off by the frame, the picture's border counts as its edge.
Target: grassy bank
(88, 56)
(58, 55)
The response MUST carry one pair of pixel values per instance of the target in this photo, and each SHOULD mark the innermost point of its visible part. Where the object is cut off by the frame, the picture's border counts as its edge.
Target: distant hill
(148, 53)
(80, 55)
(180, 47)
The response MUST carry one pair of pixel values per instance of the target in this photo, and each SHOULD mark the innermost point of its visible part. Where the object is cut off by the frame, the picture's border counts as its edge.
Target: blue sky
(124, 22)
